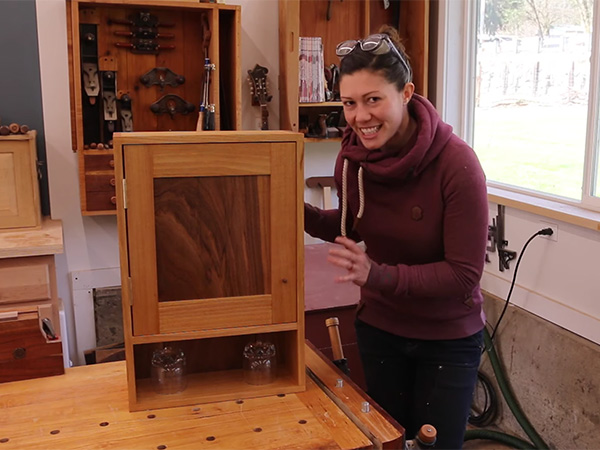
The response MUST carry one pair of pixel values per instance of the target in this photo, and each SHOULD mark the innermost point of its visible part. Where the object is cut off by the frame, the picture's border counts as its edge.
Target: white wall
(557, 280)
(91, 243)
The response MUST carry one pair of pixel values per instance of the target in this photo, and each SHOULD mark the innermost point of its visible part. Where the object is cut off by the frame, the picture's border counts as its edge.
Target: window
(531, 95)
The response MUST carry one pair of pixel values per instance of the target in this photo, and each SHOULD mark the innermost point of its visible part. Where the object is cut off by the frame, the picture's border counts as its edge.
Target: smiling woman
(376, 110)
(415, 194)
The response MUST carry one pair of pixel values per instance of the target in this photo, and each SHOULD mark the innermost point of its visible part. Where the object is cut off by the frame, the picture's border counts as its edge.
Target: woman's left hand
(352, 258)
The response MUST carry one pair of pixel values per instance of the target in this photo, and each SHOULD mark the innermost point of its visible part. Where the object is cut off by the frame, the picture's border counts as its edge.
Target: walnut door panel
(222, 242)
(209, 255)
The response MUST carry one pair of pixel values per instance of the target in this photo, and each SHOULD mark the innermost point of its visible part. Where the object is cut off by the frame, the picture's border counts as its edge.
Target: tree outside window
(532, 95)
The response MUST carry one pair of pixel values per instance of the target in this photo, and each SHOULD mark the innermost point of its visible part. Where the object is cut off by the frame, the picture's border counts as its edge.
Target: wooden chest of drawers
(30, 341)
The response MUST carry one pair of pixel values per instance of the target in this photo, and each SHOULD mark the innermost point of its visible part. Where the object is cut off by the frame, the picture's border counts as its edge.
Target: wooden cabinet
(30, 342)
(348, 20)
(139, 65)
(19, 187)
(211, 244)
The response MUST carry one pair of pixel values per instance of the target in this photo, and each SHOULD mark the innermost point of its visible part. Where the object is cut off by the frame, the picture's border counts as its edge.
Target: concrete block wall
(554, 374)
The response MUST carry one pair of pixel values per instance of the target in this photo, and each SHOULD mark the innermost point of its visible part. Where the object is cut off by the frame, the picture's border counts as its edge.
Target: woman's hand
(352, 258)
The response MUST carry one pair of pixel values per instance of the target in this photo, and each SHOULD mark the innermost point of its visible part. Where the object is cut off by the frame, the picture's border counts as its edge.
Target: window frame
(457, 38)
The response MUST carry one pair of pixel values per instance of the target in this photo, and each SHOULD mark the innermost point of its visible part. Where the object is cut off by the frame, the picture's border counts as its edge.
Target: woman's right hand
(352, 258)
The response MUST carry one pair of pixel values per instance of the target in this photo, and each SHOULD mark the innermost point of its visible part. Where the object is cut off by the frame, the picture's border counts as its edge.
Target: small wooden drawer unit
(147, 65)
(25, 352)
(28, 298)
(19, 187)
(211, 244)
(100, 180)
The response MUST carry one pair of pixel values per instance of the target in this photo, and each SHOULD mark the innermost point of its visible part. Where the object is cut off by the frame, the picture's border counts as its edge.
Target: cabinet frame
(206, 322)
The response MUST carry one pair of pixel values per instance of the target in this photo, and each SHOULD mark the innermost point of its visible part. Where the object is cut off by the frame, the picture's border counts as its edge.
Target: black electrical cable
(542, 232)
(489, 410)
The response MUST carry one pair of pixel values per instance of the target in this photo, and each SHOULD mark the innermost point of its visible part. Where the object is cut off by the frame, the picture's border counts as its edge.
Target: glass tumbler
(168, 370)
(260, 363)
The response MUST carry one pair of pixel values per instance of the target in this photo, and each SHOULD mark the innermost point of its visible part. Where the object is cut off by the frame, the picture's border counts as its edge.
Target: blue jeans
(418, 381)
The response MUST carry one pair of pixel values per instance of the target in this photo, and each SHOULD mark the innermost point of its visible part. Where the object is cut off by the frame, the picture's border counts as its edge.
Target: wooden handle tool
(333, 324)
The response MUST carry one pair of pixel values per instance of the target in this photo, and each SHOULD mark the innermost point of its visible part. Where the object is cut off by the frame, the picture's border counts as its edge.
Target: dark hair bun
(394, 36)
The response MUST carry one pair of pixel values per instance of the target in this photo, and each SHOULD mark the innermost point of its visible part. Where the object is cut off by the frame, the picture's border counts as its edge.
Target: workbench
(87, 408)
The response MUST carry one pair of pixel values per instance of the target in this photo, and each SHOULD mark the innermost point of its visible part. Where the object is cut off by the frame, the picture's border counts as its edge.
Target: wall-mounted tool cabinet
(141, 65)
(211, 245)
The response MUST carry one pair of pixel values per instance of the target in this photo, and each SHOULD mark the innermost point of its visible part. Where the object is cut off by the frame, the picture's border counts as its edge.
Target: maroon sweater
(425, 228)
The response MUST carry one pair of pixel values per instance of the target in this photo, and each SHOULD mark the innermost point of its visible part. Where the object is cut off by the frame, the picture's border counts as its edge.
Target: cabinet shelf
(214, 367)
(212, 387)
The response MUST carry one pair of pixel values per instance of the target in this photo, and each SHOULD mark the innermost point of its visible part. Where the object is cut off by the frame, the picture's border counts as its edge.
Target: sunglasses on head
(378, 44)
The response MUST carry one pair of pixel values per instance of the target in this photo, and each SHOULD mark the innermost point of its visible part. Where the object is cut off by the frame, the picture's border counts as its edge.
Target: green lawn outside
(536, 147)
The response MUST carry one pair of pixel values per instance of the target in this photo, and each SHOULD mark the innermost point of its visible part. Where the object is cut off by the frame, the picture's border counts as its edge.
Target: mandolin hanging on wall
(257, 78)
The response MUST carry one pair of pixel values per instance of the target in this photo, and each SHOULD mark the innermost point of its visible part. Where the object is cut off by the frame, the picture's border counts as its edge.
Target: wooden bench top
(45, 240)
(87, 408)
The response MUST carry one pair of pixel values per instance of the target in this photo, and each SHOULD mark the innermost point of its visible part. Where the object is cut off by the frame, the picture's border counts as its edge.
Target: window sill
(547, 208)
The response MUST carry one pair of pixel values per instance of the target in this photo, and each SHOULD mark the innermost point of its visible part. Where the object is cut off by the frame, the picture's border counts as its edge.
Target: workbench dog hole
(210, 438)
(103, 424)
(55, 432)
(302, 421)
(239, 402)
(280, 395)
(4, 440)
(151, 416)
(257, 430)
(161, 447)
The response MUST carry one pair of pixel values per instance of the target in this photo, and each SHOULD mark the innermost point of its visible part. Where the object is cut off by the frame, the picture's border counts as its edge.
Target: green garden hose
(512, 441)
(537, 440)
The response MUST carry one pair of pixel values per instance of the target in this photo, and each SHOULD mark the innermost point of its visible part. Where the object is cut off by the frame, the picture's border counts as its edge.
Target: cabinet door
(212, 233)
(19, 203)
